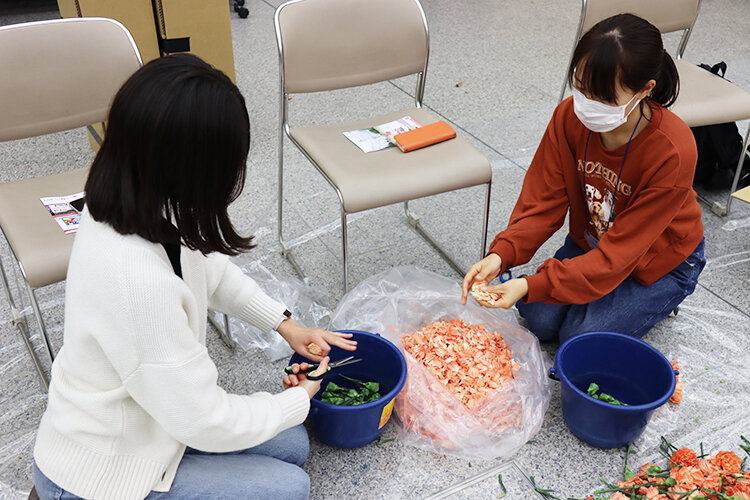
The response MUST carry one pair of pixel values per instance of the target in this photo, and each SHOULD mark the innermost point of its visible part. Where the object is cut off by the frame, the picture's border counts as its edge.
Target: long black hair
(175, 151)
(626, 49)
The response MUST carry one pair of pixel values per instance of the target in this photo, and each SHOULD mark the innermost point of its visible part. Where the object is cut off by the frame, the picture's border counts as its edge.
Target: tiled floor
(495, 73)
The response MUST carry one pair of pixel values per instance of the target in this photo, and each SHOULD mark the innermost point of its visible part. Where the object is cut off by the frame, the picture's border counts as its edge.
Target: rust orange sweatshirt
(657, 219)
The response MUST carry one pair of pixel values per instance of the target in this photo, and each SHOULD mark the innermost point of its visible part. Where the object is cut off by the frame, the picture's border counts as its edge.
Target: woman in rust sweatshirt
(621, 164)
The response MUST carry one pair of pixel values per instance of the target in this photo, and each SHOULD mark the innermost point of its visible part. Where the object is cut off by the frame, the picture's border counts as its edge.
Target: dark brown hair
(175, 151)
(626, 49)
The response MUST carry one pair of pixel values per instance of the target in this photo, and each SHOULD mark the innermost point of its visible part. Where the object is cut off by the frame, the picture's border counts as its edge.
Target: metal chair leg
(717, 208)
(40, 322)
(414, 222)
(286, 252)
(344, 244)
(224, 331)
(486, 220)
(19, 321)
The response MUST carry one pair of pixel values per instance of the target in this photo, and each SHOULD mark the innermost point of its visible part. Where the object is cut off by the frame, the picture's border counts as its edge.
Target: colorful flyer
(66, 210)
(381, 136)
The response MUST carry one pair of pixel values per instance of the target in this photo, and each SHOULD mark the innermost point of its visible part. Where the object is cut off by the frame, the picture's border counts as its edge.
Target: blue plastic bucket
(354, 426)
(624, 367)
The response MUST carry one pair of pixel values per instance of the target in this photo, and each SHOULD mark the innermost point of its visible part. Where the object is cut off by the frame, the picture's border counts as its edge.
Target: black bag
(719, 148)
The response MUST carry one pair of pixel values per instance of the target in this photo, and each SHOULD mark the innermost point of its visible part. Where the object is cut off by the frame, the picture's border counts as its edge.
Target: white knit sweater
(133, 384)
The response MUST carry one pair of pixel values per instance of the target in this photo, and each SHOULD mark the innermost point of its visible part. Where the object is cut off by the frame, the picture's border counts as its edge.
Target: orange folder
(424, 136)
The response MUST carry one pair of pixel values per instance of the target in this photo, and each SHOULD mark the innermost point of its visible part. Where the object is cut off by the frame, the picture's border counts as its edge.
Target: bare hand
(481, 273)
(299, 378)
(300, 339)
(293, 379)
(510, 292)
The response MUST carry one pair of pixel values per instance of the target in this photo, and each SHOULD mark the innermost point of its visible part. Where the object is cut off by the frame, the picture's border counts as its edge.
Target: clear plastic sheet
(21, 400)
(308, 304)
(712, 349)
(428, 416)
(22, 405)
(735, 224)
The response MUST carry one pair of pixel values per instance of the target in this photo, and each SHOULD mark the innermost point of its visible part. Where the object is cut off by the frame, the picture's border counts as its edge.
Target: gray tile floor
(495, 72)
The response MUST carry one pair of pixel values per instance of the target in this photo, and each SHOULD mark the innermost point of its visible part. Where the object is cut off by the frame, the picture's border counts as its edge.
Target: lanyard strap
(617, 185)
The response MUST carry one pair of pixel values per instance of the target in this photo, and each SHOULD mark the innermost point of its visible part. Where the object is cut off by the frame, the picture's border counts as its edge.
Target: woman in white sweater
(134, 408)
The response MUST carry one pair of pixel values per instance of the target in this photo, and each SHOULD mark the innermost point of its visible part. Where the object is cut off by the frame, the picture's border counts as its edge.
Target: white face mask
(597, 116)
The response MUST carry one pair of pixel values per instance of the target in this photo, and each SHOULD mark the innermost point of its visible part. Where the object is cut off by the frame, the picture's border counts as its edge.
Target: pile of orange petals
(677, 396)
(481, 294)
(704, 478)
(469, 360)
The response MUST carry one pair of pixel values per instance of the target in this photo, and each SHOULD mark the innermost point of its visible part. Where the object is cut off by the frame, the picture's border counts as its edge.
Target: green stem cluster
(594, 388)
(543, 492)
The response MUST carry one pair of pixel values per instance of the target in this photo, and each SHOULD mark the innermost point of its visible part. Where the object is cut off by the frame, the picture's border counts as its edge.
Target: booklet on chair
(381, 136)
(66, 210)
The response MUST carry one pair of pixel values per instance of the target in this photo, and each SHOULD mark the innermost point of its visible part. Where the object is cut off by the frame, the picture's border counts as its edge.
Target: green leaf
(653, 469)
(372, 386)
(594, 388)
(338, 395)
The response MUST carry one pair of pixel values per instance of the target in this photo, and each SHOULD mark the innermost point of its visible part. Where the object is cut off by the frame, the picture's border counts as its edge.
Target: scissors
(313, 367)
(505, 276)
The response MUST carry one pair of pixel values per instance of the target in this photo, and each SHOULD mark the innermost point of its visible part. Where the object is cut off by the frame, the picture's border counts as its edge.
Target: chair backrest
(333, 44)
(61, 74)
(667, 15)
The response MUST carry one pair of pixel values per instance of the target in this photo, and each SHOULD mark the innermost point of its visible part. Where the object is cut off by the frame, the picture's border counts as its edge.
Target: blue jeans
(631, 308)
(269, 470)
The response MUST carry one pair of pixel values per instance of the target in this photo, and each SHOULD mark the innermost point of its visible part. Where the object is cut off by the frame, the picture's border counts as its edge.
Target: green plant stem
(380, 443)
(626, 472)
(544, 493)
(502, 486)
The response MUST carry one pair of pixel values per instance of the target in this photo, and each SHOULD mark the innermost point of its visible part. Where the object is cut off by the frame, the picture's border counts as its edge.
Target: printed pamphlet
(381, 136)
(66, 210)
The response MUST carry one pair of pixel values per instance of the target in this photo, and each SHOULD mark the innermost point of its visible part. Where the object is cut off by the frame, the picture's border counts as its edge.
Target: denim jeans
(269, 470)
(631, 308)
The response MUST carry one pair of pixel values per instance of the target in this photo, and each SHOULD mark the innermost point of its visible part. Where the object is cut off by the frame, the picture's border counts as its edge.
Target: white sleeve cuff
(262, 311)
(295, 404)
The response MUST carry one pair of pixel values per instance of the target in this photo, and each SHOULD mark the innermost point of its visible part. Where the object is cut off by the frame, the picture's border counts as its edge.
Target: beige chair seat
(369, 180)
(706, 98)
(41, 246)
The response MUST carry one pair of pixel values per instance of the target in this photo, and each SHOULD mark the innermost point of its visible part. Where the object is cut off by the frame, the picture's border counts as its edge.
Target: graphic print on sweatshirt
(601, 183)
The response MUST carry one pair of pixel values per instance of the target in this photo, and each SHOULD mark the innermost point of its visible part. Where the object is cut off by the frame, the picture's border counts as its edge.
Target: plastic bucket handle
(553, 374)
